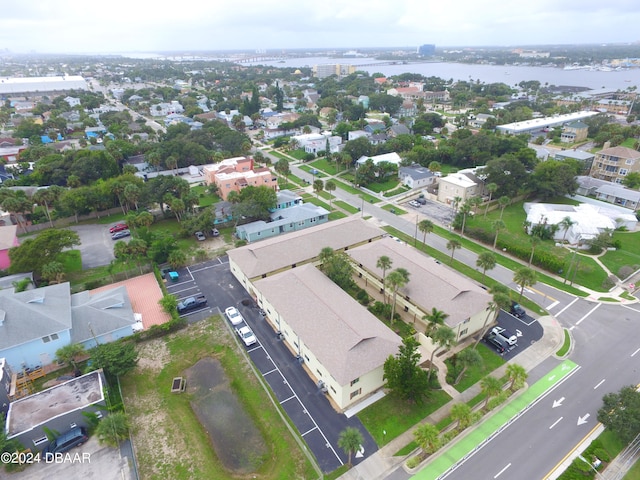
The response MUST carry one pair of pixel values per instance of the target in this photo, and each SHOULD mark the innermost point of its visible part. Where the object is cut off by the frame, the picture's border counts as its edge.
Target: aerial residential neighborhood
(227, 269)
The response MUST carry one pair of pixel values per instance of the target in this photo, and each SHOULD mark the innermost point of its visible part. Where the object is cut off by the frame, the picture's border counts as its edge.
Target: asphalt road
(607, 349)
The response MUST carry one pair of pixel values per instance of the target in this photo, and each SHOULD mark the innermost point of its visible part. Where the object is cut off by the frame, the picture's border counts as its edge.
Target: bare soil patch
(236, 440)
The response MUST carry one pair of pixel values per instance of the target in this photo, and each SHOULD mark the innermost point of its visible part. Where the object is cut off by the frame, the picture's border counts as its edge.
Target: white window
(628, 161)
(40, 441)
(623, 171)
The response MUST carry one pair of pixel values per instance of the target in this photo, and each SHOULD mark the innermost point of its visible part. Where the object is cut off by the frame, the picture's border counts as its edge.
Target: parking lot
(527, 330)
(305, 404)
(442, 213)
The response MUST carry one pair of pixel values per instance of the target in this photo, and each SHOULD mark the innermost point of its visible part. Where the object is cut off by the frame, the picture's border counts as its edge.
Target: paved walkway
(383, 462)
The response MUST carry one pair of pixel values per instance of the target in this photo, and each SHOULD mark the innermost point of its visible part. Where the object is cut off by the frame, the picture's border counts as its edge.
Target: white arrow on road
(558, 403)
(550, 378)
(360, 452)
(583, 420)
(518, 333)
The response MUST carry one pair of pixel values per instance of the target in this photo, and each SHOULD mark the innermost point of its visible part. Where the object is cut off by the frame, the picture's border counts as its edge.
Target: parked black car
(517, 310)
(496, 342)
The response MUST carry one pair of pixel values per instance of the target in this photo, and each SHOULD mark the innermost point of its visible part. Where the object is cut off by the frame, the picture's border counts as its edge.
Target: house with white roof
(457, 185)
(392, 157)
(589, 220)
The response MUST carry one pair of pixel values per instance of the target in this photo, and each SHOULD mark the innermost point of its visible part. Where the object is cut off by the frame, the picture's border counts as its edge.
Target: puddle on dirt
(236, 440)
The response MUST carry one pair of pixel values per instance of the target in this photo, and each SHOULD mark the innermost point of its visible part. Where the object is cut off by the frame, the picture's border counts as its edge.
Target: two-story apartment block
(234, 174)
(614, 163)
(458, 185)
(574, 132)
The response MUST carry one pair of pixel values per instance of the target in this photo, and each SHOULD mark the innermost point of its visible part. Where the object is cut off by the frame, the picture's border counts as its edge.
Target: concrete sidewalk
(383, 462)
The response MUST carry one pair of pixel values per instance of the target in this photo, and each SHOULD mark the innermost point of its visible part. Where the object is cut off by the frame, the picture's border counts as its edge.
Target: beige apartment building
(614, 163)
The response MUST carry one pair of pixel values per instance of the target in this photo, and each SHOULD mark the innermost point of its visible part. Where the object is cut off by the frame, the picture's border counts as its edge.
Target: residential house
(72, 101)
(8, 239)
(458, 185)
(589, 220)
(574, 132)
(34, 324)
(416, 176)
(478, 121)
(618, 195)
(398, 129)
(163, 109)
(284, 220)
(356, 134)
(5, 387)
(392, 157)
(317, 142)
(582, 156)
(234, 174)
(408, 109)
(614, 163)
(56, 409)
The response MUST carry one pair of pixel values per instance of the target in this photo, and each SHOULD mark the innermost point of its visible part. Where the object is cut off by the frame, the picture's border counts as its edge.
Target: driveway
(88, 461)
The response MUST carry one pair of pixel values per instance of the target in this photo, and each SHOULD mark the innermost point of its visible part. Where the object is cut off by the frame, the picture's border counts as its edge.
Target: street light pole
(362, 208)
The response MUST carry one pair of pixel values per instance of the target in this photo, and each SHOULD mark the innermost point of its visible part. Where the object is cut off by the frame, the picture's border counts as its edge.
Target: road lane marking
(589, 313)
(574, 301)
(542, 294)
(573, 450)
(287, 399)
(309, 431)
(554, 304)
(501, 471)
(601, 382)
(555, 423)
(270, 371)
(634, 353)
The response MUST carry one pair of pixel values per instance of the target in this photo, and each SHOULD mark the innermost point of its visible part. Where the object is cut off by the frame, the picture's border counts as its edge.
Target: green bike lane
(494, 424)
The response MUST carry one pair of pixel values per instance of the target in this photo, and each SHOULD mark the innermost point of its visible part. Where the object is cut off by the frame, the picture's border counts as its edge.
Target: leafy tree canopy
(116, 358)
(403, 374)
(620, 412)
(36, 252)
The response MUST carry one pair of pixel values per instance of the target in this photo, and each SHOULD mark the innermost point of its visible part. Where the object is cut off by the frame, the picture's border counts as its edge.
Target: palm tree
(491, 387)
(453, 245)
(455, 204)
(350, 440)
(517, 375)
(443, 337)
(330, 186)
(384, 263)
(464, 210)
(396, 280)
(491, 188)
(503, 202)
(534, 241)
(325, 254)
(318, 186)
(425, 226)
(461, 412)
(566, 223)
(427, 437)
(435, 318)
(474, 202)
(497, 225)
(500, 300)
(468, 357)
(47, 196)
(486, 261)
(524, 277)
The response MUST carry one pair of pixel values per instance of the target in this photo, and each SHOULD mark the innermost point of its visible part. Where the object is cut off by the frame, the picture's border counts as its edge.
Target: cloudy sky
(74, 26)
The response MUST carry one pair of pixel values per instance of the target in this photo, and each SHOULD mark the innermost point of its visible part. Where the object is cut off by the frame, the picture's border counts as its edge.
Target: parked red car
(118, 227)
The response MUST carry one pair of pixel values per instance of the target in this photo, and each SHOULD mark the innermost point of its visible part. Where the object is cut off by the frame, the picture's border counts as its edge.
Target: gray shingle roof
(342, 334)
(34, 314)
(100, 313)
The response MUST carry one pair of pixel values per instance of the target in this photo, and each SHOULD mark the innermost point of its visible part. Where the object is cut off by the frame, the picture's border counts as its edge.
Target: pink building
(8, 239)
(233, 174)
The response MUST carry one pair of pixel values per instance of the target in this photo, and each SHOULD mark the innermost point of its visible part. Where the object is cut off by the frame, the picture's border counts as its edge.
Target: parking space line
(194, 311)
(255, 348)
(308, 431)
(287, 399)
(270, 371)
(202, 269)
(176, 292)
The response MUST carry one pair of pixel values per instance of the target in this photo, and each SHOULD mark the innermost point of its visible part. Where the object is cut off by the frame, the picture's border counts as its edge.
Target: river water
(508, 74)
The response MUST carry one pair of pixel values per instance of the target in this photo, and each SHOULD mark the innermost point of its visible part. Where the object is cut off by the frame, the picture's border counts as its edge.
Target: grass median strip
(490, 426)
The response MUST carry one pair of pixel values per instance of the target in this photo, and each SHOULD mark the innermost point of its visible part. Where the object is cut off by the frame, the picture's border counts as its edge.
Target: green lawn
(298, 154)
(389, 184)
(490, 361)
(325, 165)
(345, 206)
(394, 209)
(396, 416)
(356, 191)
(308, 198)
(308, 168)
(205, 199)
(397, 191)
(71, 261)
(336, 215)
(627, 255)
(146, 393)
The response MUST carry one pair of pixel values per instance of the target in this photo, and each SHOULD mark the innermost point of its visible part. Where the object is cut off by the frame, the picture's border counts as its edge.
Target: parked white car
(247, 336)
(234, 316)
